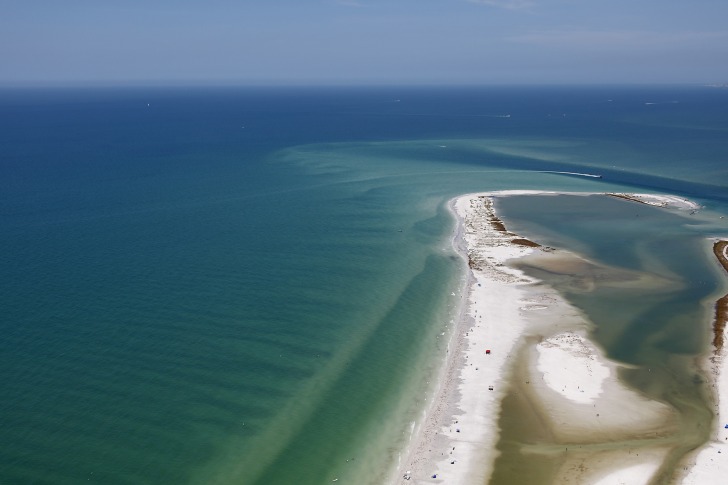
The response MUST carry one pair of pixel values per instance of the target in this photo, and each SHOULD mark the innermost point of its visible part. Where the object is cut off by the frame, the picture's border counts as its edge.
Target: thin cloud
(507, 4)
(590, 38)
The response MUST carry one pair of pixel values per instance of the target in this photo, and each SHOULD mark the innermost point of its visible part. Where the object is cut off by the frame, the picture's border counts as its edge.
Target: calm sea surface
(243, 286)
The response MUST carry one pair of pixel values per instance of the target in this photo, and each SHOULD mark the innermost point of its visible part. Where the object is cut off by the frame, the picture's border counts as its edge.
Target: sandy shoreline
(710, 463)
(508, 319)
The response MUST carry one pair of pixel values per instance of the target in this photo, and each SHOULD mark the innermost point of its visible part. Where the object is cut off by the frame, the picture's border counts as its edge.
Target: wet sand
(709, 464)
(518, 340)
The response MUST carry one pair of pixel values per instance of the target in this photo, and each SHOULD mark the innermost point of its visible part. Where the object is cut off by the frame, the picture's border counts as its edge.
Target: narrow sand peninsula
(512, 319)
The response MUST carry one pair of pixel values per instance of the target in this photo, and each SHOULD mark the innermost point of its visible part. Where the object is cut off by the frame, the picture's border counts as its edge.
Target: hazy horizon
(362, 42)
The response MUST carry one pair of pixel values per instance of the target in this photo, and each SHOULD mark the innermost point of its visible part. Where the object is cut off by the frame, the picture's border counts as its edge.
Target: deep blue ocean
(249, 285)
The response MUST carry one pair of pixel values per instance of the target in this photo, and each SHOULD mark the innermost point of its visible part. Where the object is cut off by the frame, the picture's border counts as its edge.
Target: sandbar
(516, 334)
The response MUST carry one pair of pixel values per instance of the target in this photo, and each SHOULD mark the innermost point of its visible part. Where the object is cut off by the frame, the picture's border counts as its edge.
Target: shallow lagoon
(647, 288)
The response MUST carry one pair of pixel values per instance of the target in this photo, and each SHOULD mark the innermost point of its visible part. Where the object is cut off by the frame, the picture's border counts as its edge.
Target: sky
(259, 42)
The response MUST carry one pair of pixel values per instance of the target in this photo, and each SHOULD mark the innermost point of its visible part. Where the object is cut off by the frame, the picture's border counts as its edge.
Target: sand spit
(659, 200)
(510, 318)
(454, 443)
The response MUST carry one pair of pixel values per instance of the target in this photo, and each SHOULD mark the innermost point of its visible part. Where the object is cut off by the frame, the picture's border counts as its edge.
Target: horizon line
(323, 84)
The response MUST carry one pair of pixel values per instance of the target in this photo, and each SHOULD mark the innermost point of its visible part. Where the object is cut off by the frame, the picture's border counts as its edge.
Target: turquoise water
(249, 286)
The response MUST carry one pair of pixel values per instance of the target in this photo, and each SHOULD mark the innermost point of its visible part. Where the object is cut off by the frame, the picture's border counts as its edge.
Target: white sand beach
(510, 318)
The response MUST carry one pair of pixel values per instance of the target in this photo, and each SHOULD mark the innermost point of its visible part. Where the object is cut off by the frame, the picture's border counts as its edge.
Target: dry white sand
(662, 200)
(454, 442)
(569, 366)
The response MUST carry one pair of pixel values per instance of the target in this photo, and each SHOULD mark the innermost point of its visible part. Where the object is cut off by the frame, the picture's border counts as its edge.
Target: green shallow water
(250, 286)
